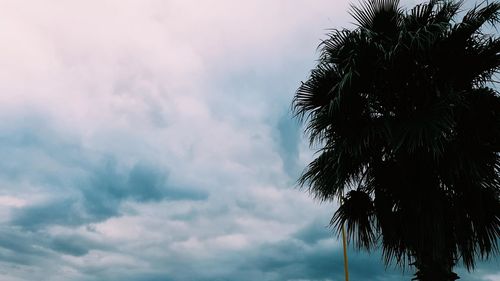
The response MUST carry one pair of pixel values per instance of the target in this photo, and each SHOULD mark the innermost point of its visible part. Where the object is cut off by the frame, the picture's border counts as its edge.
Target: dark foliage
(407, 119)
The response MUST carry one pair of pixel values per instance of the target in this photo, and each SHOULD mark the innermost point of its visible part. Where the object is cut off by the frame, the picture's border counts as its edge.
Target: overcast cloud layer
(152, 140)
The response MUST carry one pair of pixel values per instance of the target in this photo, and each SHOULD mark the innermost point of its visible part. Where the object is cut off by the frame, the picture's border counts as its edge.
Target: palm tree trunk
(429, 269)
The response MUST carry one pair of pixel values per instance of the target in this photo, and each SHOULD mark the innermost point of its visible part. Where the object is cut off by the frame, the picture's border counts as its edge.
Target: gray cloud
(63, 212)
(80, 189)
(314, 232)
(289, 143)
(73, 245)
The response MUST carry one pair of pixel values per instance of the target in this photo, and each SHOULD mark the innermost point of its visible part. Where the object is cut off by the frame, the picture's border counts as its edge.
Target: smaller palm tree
(408, 125)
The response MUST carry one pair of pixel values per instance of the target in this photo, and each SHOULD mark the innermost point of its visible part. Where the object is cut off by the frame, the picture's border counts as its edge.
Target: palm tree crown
(408, 124)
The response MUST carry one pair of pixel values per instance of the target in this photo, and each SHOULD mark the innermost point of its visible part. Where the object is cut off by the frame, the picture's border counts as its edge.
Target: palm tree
(407, 122)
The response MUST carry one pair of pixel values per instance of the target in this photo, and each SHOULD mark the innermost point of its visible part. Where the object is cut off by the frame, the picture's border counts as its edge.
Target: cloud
(73, 245)
(100, 196)
(77, 186)
(314, 232)
(152, 140)
(289, 145)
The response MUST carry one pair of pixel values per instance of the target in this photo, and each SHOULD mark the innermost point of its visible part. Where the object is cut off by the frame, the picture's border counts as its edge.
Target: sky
(146, 140)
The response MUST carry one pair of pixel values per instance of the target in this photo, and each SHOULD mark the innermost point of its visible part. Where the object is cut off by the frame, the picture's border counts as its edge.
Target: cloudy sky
(146, 140)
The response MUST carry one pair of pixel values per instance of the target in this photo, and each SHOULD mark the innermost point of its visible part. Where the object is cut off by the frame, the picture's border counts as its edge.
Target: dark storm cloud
(295, 260)
(38, 248)
(99, 196)
(314, 232)
(81, 189)
(73, 245)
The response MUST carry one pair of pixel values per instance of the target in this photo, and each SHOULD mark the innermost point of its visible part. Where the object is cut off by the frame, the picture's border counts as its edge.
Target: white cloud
(492, 277)
(10, 201)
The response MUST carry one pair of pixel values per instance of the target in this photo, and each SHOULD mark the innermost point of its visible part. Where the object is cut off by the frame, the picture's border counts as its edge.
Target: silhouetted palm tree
(407, 120)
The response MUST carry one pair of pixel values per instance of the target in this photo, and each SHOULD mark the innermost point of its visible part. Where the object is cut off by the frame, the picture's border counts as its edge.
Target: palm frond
(357, 213)
(475, 19)
(379, 16)
(315, 93)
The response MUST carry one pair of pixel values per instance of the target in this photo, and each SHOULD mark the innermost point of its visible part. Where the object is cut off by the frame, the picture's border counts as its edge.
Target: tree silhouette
(406, 118)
